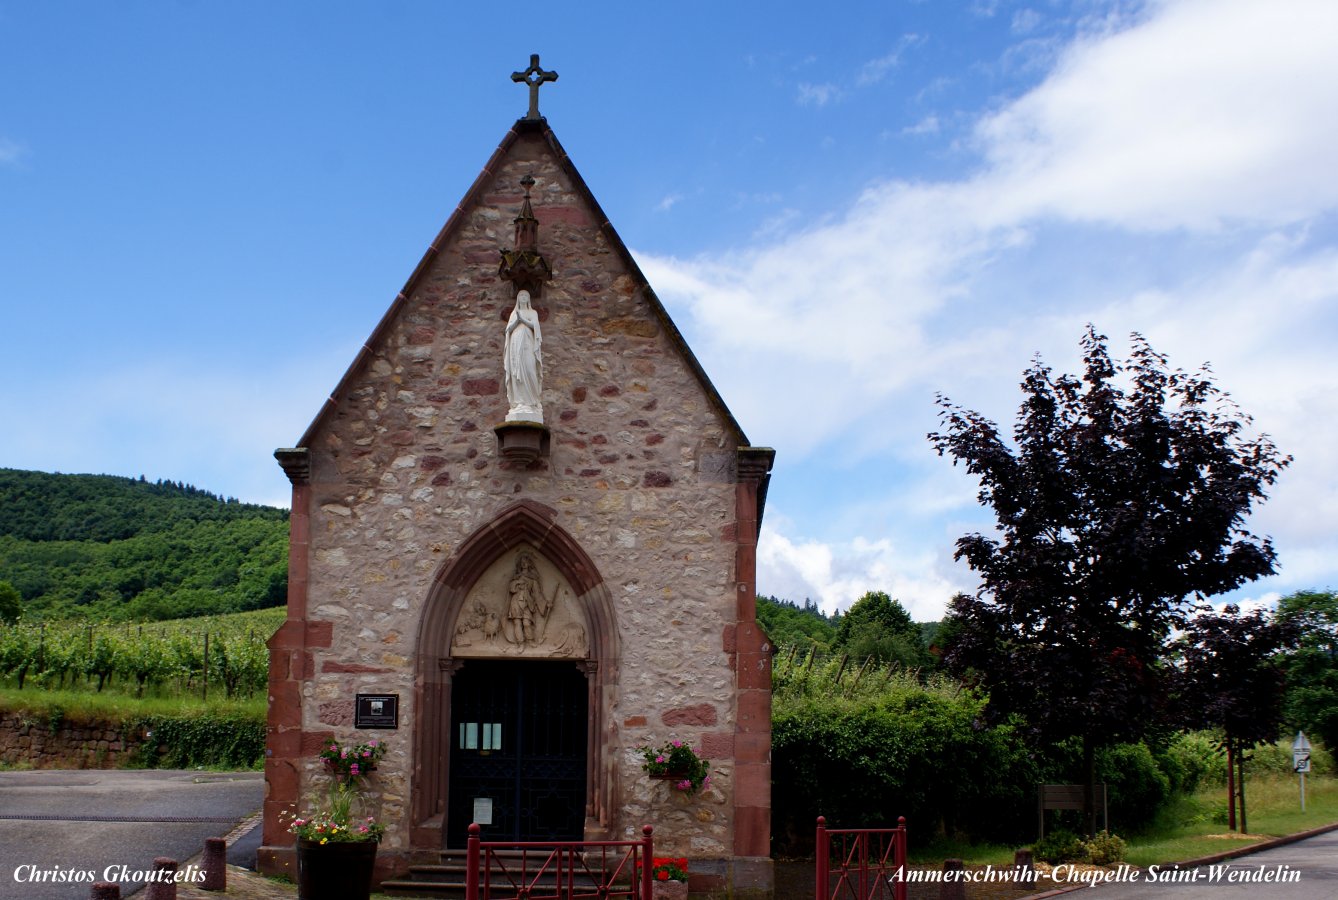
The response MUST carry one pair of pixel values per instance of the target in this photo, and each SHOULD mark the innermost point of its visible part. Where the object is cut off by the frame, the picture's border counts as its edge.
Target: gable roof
(522, 126)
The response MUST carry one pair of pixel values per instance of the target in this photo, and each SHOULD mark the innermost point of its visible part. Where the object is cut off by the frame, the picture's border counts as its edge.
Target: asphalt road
(78, 824)
(1312, 863)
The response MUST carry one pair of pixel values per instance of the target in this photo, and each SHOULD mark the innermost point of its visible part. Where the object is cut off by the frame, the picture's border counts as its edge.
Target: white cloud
(836, 575)
(11, 152)
(875, 70)
(818, 95)
(1176, 147)
(1025, 21)
(221, 422)
(927, 125)
(668, 202)
(1211, 112)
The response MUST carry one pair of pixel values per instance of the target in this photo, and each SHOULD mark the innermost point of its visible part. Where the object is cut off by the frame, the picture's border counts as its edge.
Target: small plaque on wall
(377, 711)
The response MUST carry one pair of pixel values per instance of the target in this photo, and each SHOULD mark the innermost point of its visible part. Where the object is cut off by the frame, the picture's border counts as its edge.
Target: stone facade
(641, 513)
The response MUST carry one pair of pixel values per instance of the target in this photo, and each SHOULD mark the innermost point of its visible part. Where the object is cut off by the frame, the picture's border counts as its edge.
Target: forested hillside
(110, 548)
(876, 627)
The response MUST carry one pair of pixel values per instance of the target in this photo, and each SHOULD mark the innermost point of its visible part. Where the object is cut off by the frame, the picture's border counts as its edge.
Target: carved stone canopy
(524, 266)
(521, 606)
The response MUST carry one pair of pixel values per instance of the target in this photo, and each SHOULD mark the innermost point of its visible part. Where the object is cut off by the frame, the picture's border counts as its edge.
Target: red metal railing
(870, 863)
(564, 870)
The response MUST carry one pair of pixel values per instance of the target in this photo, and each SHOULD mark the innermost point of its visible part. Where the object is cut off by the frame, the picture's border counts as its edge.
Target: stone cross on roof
(534, 76)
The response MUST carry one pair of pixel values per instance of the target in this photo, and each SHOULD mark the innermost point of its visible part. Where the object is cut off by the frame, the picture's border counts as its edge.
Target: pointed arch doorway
(518, 751)
(536, 667)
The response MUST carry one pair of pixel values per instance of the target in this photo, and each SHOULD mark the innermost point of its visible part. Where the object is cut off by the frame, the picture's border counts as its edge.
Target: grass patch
(1195, 826)
(1190, 826)
(934, 853)
(84, 706)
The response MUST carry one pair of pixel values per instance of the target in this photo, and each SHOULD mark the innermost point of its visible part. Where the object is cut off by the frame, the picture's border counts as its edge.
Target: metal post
(647, 860)
(1231, 786)
(899, 889)
(820, 847)
(1302, 792)
(1244, 829)
(472, 863)
(862, 854)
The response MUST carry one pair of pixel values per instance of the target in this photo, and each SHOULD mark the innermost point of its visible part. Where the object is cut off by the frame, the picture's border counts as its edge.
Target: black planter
(340, 870)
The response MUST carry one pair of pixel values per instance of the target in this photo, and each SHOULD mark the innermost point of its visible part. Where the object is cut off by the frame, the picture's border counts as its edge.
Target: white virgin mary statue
(523, 363)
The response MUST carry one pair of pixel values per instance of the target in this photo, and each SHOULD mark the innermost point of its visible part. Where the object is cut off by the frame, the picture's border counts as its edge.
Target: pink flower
(677, 743)
(366, 754)
(372, 744)
(660, 758)
(362, 829)
(343, 754)
(684, 785)
(353, 769)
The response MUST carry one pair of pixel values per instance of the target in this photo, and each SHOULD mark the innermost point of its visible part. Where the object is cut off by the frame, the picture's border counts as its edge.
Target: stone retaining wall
(30, 740)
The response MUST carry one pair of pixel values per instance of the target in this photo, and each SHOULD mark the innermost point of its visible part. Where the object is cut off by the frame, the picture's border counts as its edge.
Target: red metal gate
(562, 870)
(861, 863)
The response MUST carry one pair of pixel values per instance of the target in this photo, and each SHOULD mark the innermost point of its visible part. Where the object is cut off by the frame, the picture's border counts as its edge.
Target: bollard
(105, 890)
(953, 886)
(163, 886)
(215, 865)
(1024, 870)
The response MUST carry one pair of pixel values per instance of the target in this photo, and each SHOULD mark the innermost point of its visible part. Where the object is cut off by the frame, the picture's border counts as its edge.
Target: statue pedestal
(522, 442)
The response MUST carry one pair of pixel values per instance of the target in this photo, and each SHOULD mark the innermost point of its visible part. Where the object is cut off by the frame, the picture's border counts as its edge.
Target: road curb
(1255, 848)
(1211, 859)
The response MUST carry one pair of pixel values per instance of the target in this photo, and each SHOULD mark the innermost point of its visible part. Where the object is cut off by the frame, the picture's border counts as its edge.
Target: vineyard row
(230, 661)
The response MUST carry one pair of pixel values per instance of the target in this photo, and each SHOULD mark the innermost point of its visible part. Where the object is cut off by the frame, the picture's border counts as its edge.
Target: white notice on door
(483, 810)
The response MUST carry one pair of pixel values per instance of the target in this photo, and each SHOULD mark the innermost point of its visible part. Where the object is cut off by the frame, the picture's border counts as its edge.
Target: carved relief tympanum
(521, 606)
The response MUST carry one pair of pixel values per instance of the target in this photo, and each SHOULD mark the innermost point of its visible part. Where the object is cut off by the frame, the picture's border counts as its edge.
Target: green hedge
(229, 740)
(862, 755)
(222, 735)
(863, 746)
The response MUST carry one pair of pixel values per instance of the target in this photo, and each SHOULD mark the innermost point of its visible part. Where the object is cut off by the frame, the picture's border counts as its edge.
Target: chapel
(523, 541)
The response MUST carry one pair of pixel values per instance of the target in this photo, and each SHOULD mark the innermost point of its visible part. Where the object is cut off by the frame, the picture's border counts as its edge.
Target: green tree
(879, 627)
(11, 603)
(1311, 702)
(788, 624)
(1121, 503)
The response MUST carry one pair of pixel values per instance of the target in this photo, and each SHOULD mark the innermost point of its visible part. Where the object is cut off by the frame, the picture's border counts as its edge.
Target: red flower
(663, 876)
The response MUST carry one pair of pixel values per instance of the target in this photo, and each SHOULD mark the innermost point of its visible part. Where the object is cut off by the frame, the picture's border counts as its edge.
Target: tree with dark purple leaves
(1120, 504)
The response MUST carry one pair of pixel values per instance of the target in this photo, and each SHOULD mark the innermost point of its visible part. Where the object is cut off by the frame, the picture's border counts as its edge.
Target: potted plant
(669, 878)
(678, 764)
(336, 845)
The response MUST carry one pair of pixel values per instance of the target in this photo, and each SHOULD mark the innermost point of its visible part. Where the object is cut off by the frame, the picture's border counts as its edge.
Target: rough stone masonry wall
(83, 745)
(640, 472)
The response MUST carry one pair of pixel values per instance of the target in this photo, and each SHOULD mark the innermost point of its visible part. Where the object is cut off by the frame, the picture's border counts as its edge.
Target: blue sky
(847, 207)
